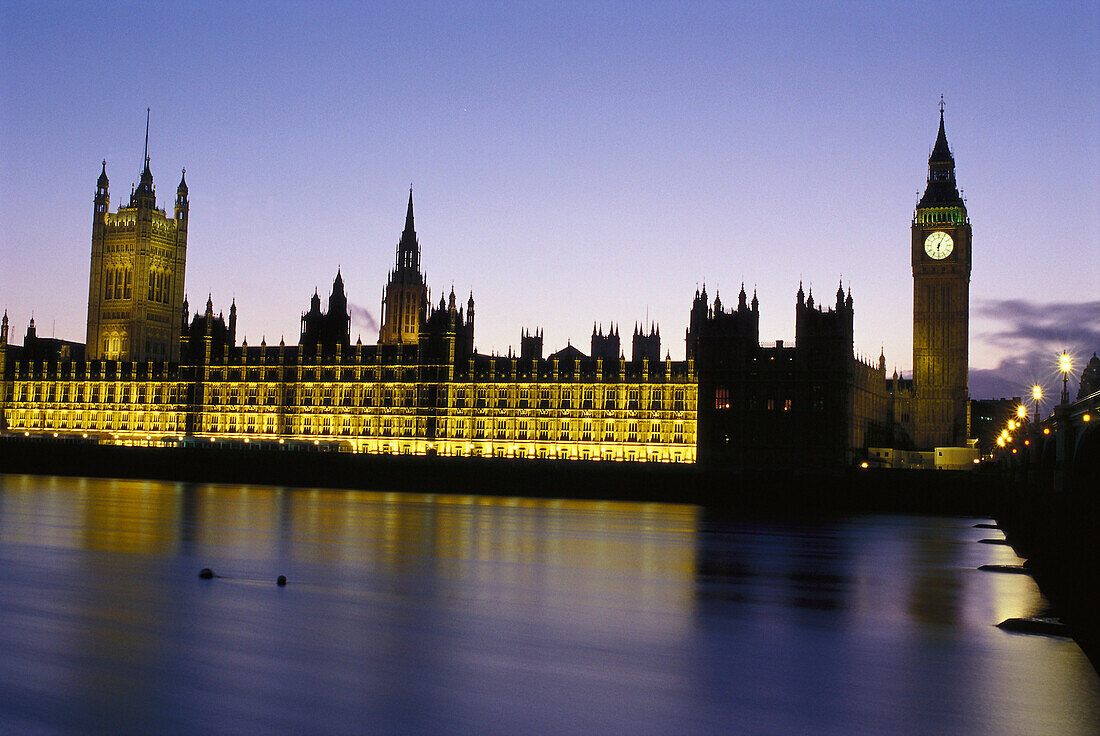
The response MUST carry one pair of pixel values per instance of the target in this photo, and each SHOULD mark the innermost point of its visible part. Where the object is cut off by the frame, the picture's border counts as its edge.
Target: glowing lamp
(864, 464)
(1087, 418)
(1021, 412)
(1046, 430)
(1013, 450)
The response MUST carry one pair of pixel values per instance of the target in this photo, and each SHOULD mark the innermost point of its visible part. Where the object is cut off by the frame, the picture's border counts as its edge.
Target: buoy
(281, 580)
(206, 573)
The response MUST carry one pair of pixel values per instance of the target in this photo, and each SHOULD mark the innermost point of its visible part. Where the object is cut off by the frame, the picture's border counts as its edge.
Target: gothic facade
(151, 375)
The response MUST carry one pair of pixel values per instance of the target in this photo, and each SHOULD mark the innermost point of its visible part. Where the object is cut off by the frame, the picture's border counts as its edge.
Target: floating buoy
(206, 573)
(281, 580)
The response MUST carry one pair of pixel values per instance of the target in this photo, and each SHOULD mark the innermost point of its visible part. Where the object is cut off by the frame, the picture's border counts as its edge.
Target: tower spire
(941, 152)
(941, 190)
(144, 194)
(409, 214)
(147, 139)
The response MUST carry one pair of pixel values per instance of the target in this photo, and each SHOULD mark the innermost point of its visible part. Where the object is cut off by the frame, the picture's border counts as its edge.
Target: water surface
(466, 614)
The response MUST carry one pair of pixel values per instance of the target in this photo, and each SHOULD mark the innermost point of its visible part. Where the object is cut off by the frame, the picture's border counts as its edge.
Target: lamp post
(1036, 393)
(1064, 365)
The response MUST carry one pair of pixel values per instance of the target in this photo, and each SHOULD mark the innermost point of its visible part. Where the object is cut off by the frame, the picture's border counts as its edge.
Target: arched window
(109, 291)
(152, 286)
(126, 287)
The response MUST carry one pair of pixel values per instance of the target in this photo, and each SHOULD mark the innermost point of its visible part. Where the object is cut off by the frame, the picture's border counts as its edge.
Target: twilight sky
(571, 162)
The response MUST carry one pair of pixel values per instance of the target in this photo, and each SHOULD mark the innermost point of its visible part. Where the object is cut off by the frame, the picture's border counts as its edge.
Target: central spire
(144, 194)
(408, 249)
(146, 141)
(409, 214)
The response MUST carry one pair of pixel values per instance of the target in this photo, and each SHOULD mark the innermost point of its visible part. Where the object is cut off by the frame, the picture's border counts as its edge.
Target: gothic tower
(405, 297)
(135, 292)
(941, 305)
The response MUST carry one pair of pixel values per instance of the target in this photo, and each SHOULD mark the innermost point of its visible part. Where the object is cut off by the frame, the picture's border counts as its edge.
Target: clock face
(938, 245)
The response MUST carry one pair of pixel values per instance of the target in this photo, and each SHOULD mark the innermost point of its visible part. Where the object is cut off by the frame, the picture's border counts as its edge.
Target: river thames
(464, 614)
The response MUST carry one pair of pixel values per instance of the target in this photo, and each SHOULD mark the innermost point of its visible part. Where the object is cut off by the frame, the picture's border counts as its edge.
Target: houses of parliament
(152, 373)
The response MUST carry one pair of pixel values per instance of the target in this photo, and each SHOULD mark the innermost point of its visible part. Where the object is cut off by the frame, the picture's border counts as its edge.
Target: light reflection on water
(412, 613)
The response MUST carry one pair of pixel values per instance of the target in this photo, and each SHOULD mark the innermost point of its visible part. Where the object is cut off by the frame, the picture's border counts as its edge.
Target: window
(722, 398)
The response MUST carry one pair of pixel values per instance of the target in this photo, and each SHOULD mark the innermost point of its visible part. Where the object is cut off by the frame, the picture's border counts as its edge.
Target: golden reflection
(642, 554)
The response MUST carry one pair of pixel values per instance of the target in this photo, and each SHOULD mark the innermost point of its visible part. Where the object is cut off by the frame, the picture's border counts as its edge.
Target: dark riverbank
(835, 491)
(1059, 534)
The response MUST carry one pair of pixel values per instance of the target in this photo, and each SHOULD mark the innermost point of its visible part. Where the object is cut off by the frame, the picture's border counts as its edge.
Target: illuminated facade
(421, 390)
(368, 399)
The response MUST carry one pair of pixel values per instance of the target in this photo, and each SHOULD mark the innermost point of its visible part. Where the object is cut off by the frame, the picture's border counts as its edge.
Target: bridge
(1061, 453)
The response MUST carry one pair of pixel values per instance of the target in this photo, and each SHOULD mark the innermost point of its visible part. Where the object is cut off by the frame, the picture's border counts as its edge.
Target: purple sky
(571, 164)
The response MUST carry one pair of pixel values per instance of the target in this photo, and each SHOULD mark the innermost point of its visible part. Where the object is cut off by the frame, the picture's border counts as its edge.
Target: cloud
(362, 319)
(1065, 324)
(1033, 334)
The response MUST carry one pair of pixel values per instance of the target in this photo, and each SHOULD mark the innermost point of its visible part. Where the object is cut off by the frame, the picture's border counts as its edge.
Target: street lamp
(1036, 393)
(1021, 413)
(1064, 365)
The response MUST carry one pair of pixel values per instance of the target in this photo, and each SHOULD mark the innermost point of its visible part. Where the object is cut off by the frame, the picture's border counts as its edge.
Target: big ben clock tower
(941, 305)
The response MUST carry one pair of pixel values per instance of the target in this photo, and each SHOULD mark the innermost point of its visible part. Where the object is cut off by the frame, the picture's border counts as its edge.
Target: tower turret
(102, 196)
(181, 200)
(233, 322)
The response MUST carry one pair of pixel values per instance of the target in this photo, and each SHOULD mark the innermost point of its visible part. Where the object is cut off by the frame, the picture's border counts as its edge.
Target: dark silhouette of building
(208, 337)
(606, 347)
(322, 332)
(813, 404)
(39, 348)
(1090, 378)
(447, 336)
(530, 345)
(646, 347)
